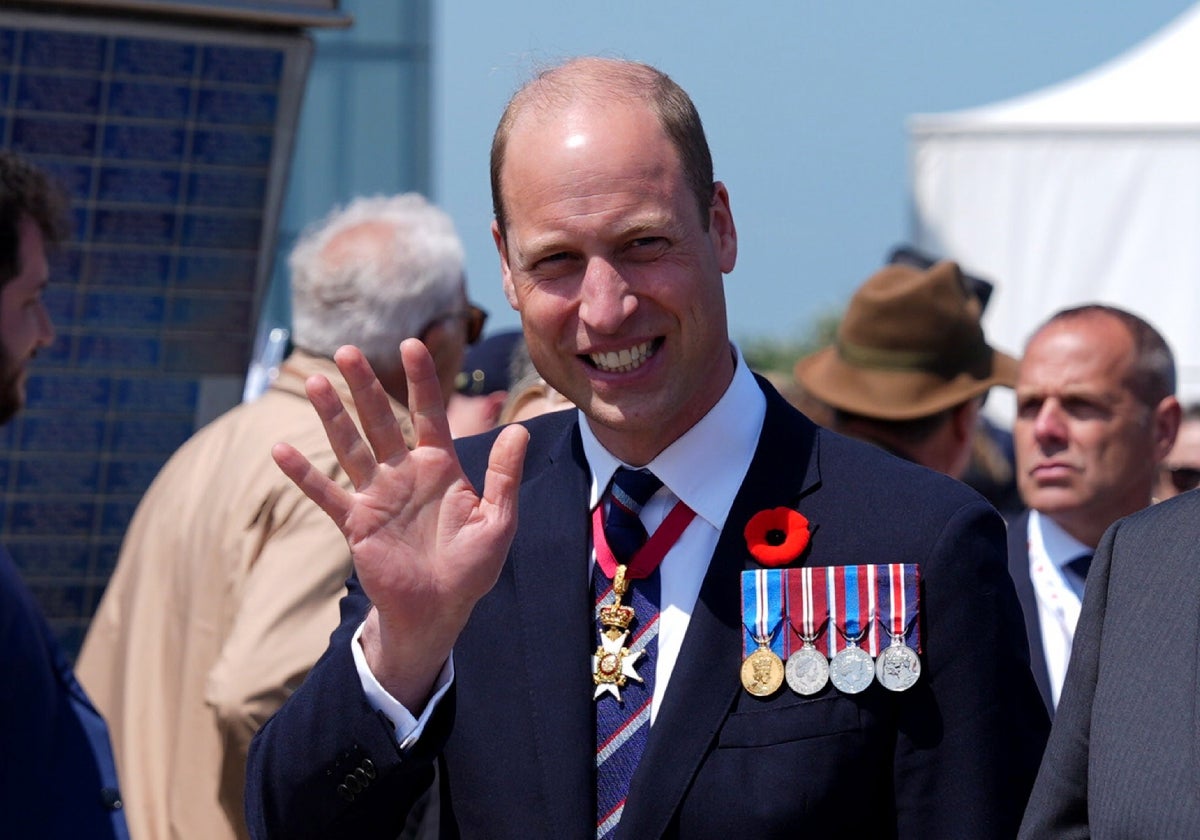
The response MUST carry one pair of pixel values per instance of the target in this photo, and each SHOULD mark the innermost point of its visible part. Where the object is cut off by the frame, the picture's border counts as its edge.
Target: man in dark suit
(469, 637)
(58, 779)
(1096, 413)
(1122, 760)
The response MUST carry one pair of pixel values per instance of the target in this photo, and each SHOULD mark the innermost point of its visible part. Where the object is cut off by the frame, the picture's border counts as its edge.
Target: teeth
(624, 360)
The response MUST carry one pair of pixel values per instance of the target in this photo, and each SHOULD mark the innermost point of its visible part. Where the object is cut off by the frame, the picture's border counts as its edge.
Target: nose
(1048, 427)
(606, 300)
(45, 327)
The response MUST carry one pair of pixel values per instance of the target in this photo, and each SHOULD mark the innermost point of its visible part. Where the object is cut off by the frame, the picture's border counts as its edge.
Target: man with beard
(57, 774)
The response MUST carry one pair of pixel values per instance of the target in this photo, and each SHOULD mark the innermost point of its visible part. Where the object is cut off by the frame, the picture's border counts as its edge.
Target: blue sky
(805, 103)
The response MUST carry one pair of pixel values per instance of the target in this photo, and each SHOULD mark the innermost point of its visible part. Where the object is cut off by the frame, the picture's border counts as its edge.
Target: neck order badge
(624, 555)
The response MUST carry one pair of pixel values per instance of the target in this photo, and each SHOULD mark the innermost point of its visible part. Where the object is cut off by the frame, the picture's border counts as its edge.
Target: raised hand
(426, 545)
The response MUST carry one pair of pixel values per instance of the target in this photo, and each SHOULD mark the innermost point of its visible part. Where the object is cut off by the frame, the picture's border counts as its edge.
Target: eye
(554, 264)
(1028, 408)
(1084, 408)
(647, 247)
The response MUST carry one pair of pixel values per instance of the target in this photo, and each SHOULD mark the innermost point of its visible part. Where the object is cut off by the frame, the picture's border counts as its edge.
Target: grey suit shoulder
(1123, 760)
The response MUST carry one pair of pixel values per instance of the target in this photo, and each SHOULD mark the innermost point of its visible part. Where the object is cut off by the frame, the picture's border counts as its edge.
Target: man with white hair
(228, 580)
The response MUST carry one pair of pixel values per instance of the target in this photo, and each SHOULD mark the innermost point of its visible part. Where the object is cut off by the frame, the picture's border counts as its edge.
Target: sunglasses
(473, 318)
(1184, 478)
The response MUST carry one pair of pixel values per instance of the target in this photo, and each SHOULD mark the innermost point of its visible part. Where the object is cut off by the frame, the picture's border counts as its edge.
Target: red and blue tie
(622, 726)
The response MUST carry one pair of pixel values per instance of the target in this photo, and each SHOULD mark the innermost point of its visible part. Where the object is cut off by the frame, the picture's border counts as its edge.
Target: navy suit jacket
(953, 757)
(58, 780)
(1018, 567)
(1124, 756)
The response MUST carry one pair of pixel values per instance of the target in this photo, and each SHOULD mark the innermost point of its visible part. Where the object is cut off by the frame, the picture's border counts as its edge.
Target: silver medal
(851, 670)
(898, 666)
(807, 671)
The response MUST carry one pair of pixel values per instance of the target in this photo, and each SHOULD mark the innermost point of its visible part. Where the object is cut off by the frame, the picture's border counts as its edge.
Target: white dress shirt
(1050, 549)
(704, 468)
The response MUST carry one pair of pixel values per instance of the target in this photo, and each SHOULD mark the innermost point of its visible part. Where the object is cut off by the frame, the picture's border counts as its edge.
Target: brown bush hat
(910, 345)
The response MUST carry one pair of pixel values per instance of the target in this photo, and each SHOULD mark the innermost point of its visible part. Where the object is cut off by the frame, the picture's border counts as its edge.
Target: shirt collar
(1059, 546)
(704, 467)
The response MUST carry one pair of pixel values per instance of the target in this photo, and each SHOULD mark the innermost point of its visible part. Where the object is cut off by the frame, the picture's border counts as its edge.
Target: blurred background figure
(530, 395)
(909, 370)
(1096, 414)
(482, 385)
(992, 467)
(1180, 470)
(58, 779)
(228, 580)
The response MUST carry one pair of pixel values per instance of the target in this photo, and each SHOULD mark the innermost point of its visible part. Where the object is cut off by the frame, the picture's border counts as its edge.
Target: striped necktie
(622, 726)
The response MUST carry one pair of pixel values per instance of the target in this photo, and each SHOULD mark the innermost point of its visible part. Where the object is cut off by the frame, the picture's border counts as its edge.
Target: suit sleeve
(1058, 807)
(327, 765)
(971, 732)
(293, 582)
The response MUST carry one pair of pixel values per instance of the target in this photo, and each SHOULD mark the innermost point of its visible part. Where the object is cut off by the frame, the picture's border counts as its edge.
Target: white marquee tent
(1086, 191)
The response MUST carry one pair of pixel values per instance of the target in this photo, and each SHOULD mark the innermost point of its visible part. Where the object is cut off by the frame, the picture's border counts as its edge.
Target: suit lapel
(550, 572)
(1018, 570)
(696, 705)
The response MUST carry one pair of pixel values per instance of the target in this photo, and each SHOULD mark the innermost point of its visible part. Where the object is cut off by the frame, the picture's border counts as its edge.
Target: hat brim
(891, 394)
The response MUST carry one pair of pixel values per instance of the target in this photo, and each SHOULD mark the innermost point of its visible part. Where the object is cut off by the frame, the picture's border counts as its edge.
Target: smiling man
(567, 683)
(1096, 413)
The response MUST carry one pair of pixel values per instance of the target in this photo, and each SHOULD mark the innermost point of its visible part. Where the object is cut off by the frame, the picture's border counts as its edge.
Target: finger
(328, 495)
(353, 453)
(506, 463)
(372, 404)
(426, 403)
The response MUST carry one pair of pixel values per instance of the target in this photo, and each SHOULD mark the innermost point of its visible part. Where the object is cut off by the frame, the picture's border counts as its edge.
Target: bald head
(602, 81)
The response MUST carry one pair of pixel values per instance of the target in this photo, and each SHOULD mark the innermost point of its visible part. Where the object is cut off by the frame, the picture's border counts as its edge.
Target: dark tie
(623, 726)
(1075, 571)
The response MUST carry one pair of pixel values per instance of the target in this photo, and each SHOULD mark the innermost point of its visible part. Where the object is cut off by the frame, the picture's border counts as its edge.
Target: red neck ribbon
(647, 558)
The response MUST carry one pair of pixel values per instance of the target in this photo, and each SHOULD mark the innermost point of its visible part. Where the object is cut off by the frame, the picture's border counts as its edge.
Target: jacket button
(363, 777)
(353, 784)
(368, 767)
(110, 798)
(345, 793)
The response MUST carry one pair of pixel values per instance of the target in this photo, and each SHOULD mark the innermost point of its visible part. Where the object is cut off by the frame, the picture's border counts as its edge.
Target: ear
(1167, 417)
(510, 291)
(721, 228)
(964, 419)
(495, 403)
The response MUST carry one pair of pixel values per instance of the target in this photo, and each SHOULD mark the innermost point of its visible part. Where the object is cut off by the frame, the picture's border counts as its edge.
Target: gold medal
(762, 671)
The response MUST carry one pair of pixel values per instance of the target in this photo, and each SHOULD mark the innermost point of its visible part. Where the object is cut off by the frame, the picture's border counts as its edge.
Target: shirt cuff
(408, 728)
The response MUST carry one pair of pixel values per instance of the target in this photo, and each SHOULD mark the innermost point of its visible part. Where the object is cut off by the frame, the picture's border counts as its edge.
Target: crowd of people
(598, 578)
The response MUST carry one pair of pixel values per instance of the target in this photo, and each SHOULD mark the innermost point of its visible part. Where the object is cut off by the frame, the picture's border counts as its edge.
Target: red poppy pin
(778, 536)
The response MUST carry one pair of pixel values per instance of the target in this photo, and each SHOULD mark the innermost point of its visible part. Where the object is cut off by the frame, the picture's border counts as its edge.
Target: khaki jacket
(224, 595)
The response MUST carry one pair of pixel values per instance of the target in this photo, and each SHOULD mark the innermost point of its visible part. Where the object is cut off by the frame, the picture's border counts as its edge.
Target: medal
(762, 616)
(762, 671)
(851, 669)
(807, 669)
(613, 663)
(898, 666)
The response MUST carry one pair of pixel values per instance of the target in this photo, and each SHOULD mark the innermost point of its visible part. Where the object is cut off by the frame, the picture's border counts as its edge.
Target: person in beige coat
(228, 580)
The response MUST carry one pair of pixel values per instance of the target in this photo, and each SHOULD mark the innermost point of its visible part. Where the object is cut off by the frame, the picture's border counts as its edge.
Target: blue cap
(487, 366)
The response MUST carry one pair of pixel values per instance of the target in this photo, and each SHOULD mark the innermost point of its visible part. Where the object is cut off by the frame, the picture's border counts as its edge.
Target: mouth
(625, 360)
(1052, 469)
